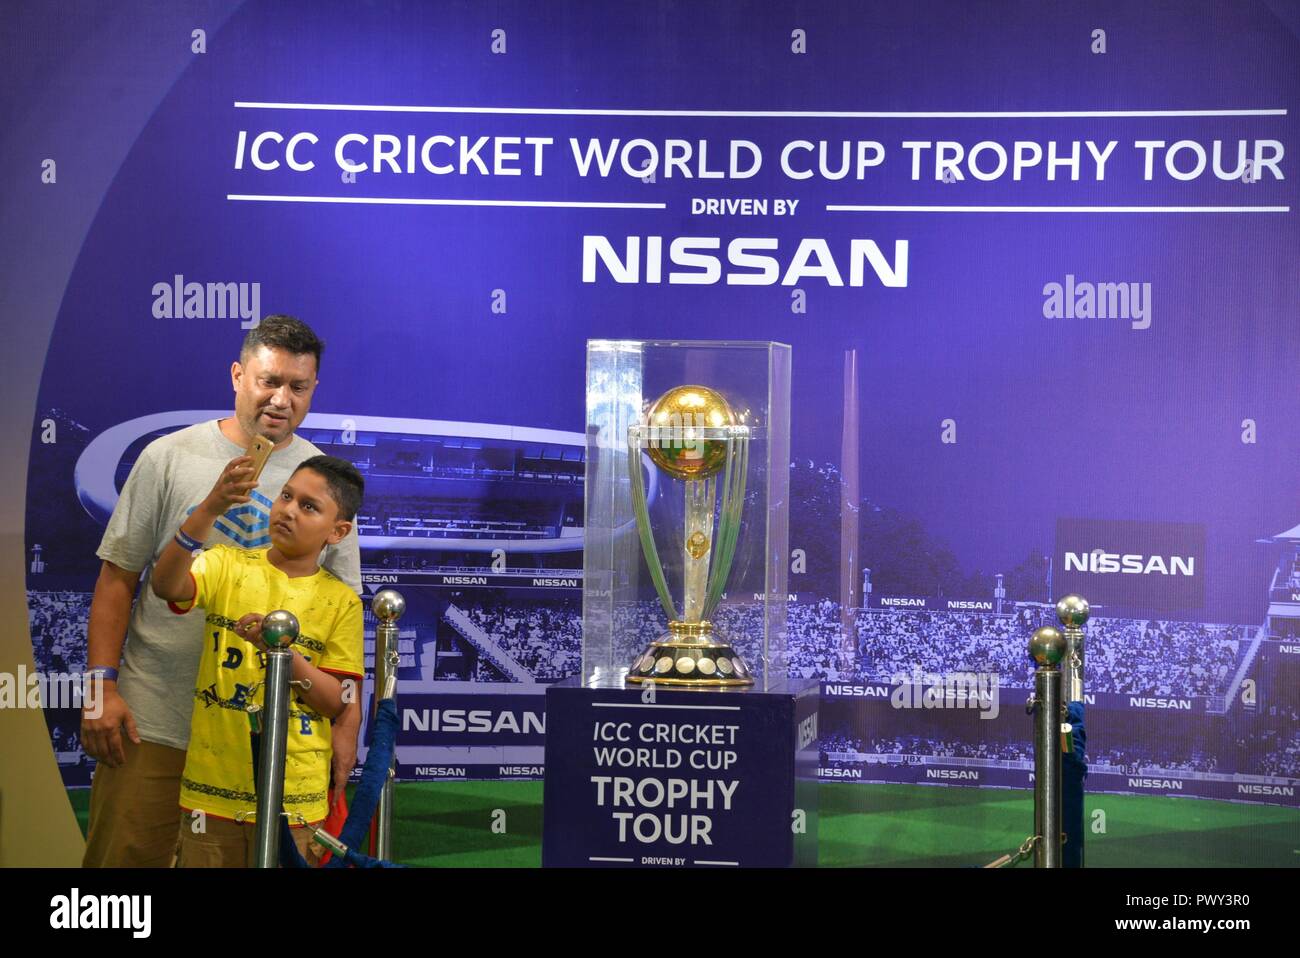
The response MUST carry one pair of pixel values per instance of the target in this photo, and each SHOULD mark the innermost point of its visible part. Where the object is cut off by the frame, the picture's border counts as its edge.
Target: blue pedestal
(680, 777)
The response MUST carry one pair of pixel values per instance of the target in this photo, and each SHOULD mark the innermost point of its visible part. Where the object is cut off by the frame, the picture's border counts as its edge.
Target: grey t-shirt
(172, 476)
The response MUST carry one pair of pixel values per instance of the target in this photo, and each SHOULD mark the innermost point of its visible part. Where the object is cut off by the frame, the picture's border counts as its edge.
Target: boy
(236, 588)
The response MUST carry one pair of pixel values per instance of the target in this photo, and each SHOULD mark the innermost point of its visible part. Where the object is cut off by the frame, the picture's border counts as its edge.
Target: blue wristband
(108, 674)
(188, 543)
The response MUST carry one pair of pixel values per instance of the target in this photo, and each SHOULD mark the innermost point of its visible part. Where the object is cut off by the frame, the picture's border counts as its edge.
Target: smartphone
(260, 449)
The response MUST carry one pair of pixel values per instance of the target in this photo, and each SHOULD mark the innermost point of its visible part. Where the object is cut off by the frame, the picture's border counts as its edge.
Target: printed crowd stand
(680, 777)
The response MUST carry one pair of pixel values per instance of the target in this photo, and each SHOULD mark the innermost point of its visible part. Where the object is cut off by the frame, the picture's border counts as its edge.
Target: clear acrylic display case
(623, 610)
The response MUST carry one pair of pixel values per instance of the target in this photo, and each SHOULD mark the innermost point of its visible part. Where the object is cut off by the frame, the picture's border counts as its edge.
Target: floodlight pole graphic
(849, 520)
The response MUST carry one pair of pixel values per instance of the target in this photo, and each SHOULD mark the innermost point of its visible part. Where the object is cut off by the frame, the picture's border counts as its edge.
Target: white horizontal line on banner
(701, 861)
(416, 201)
(1058, 209)
(646, 705)
(598, 858)
(827, 114)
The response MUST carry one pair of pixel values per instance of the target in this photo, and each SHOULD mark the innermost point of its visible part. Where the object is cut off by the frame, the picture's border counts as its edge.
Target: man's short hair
(278, 331)
(346, 487)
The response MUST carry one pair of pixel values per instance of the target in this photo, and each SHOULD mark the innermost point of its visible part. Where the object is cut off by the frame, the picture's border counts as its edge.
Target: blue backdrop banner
(1037, 267)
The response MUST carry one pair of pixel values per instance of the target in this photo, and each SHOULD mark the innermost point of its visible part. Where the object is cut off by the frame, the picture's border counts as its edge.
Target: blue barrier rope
(379, 758)
(1074, 769)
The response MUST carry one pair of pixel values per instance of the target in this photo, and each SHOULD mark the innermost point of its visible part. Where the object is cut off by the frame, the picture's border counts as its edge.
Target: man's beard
(258, 426)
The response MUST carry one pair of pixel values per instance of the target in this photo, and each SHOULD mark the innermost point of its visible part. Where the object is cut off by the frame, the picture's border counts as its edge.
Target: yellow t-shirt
(230, 583)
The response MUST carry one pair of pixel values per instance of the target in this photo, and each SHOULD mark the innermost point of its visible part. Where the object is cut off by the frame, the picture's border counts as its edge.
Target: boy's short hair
(279, 331)
(345, 484)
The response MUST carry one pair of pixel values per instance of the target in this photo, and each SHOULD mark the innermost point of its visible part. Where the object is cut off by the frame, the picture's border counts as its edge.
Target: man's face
(305, 516)
(273, 391)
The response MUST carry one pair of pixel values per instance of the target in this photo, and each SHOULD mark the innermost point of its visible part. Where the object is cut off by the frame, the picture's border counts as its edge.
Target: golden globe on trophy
(692, 435)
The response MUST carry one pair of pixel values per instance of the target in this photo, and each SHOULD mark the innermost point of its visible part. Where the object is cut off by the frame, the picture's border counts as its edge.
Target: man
(141, 735)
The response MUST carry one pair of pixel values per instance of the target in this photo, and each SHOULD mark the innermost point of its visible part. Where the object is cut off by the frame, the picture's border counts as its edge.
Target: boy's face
(305, 517)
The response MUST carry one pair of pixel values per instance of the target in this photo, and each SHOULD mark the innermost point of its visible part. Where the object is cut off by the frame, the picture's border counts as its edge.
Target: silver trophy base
(673, 661)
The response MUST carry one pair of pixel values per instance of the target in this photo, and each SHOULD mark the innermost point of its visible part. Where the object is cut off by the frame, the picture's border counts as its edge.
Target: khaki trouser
(133, 822)
(133, 808)
(227, 844)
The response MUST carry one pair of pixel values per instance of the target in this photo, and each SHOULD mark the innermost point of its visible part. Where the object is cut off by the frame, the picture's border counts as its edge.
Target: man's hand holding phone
(170, 579)
(232, 488)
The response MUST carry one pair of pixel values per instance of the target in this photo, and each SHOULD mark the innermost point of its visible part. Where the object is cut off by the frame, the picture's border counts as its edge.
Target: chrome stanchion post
(1047, 647)
(1072, 611)
(388, 607)
(279, 630)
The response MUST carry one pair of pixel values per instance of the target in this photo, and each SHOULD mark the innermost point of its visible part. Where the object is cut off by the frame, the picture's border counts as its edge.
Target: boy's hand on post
(250, 628)
(232, 488)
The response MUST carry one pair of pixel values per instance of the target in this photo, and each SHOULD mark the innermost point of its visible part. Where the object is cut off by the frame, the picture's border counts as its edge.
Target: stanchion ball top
(1047, 646)
(388, 605)
(1072, 610)
(279, 628)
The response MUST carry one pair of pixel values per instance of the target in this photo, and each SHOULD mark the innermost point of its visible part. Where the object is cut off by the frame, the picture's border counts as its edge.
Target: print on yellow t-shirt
(230, 583)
